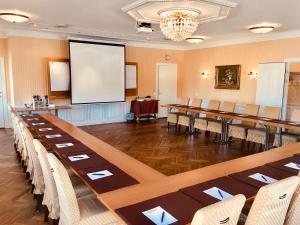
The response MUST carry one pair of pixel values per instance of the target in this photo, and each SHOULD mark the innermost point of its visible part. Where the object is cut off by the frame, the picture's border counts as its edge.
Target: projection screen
(97, 72)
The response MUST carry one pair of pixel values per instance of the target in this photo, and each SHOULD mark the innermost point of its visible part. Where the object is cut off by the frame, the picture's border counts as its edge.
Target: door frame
(157, 77)
(288, 62)
(4, 98)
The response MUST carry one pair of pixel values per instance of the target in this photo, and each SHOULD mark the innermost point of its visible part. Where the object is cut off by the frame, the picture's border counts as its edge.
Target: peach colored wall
(147, 59)
(4, 54)
(28, 65)
(248, 55)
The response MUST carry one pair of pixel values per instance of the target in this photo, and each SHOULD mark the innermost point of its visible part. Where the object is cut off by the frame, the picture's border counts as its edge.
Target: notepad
(78, 157)
(159, 216)
(45, 129)
(64, 145)
(53, 136)
(293, 166)
(294, 123)
(33, 119)
(218, 193)
(99, 174)
(267, 119)
(263, 178)
(223, 112)
(243, 115)
(36, 124)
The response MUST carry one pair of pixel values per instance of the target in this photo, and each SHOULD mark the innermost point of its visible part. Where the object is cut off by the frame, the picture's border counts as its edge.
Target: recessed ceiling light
(14, 17)
(263, 29)
(195, 39)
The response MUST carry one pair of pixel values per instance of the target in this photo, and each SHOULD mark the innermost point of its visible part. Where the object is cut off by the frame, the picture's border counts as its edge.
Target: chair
(84, 211)
(293, 215)
(224, 212)
(173, 116)
(186, 120)
(240, 130)
(28, 167)
(258, 135)
(50, 199)
(271, 202)
(216, 126)
(291, 136)
(201, 123)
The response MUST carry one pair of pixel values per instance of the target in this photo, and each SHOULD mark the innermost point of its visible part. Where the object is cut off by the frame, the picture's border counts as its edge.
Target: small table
(144, 108)
(38, 109)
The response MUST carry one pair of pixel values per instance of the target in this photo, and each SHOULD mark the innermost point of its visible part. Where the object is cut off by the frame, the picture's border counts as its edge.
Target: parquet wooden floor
(167, 151)
(16, 201)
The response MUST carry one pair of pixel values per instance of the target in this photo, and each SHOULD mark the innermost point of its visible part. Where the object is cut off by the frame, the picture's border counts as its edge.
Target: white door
(2, 95)
(166, 86)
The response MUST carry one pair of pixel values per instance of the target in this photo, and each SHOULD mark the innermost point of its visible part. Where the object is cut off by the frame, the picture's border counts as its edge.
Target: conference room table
(135, 188)
(227, 117)
(42, 109)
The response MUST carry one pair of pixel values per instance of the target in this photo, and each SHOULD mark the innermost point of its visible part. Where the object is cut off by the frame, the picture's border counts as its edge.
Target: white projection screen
(97, 72)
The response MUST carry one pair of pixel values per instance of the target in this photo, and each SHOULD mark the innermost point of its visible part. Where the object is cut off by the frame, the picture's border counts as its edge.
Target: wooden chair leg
(168, 126)
(46, 215)
(39, 201)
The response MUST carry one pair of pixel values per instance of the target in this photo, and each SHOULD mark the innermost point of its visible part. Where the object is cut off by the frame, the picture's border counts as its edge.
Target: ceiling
(102, 18)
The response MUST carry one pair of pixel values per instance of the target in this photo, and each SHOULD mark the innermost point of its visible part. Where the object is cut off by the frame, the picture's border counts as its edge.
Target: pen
(99, 174)
(220, 193)
(162, 216)
(264, 178)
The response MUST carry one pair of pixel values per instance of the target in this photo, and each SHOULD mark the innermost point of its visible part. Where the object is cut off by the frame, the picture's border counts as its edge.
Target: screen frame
(96, 43)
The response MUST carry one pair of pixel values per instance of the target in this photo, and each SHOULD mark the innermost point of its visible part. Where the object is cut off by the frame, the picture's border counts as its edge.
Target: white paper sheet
(294, 123)
(64, 145)
(99, 174)
(32, 119)
(53, 136)
(36, 124)
(78, 157)
(263, 178)
(293, 166)
(159, 216)
(243, 115)
(45, 129)
(218, 193)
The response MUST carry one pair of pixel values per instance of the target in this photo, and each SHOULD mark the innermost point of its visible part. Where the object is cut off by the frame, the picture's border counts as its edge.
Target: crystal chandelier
(178, 23)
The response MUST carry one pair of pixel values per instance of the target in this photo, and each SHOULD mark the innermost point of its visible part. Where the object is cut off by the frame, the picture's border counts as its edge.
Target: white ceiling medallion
(179, 19)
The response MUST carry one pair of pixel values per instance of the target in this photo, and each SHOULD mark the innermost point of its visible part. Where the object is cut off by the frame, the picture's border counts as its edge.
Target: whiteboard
(270, 84)
(59, 76)
(131, 80)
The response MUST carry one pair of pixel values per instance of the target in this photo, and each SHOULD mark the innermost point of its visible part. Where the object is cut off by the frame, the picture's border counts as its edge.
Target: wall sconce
(205, 76)
(252, 75)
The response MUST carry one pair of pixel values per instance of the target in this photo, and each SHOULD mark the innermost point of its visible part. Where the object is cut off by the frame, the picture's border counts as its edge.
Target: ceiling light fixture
(14, 17)
(178, 23)
(195, 39)
(262, 29)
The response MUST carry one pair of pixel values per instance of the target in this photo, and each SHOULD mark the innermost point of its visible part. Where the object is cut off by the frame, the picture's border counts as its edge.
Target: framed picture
(228, 77)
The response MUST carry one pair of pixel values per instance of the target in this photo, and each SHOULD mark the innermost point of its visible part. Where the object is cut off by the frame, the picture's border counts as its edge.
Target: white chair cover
(225, 212)
(50, 196)
(70, 213)
(271, 202)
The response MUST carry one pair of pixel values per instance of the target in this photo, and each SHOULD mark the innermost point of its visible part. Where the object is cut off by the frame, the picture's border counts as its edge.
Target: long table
(227, 117)
(41, 109)
(174, 193)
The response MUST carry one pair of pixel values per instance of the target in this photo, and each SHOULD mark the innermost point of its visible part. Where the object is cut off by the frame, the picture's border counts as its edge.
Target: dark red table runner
(179, 205)
(266, 170)
(228, 184)
(280, 164)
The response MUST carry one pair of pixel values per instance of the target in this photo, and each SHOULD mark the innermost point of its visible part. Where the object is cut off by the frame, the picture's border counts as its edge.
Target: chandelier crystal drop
(178, 23)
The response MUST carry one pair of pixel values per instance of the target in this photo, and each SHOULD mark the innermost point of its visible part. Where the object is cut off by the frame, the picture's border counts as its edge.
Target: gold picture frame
(228, 77)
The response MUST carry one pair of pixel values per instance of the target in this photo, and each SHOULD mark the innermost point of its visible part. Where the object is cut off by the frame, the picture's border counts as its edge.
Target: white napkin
(78, 157)
(99, 174)
(53, 136)
(218, 193)
(35, 124)
(293, 166)
(64, 145)
(263, 178)
(159, 216)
